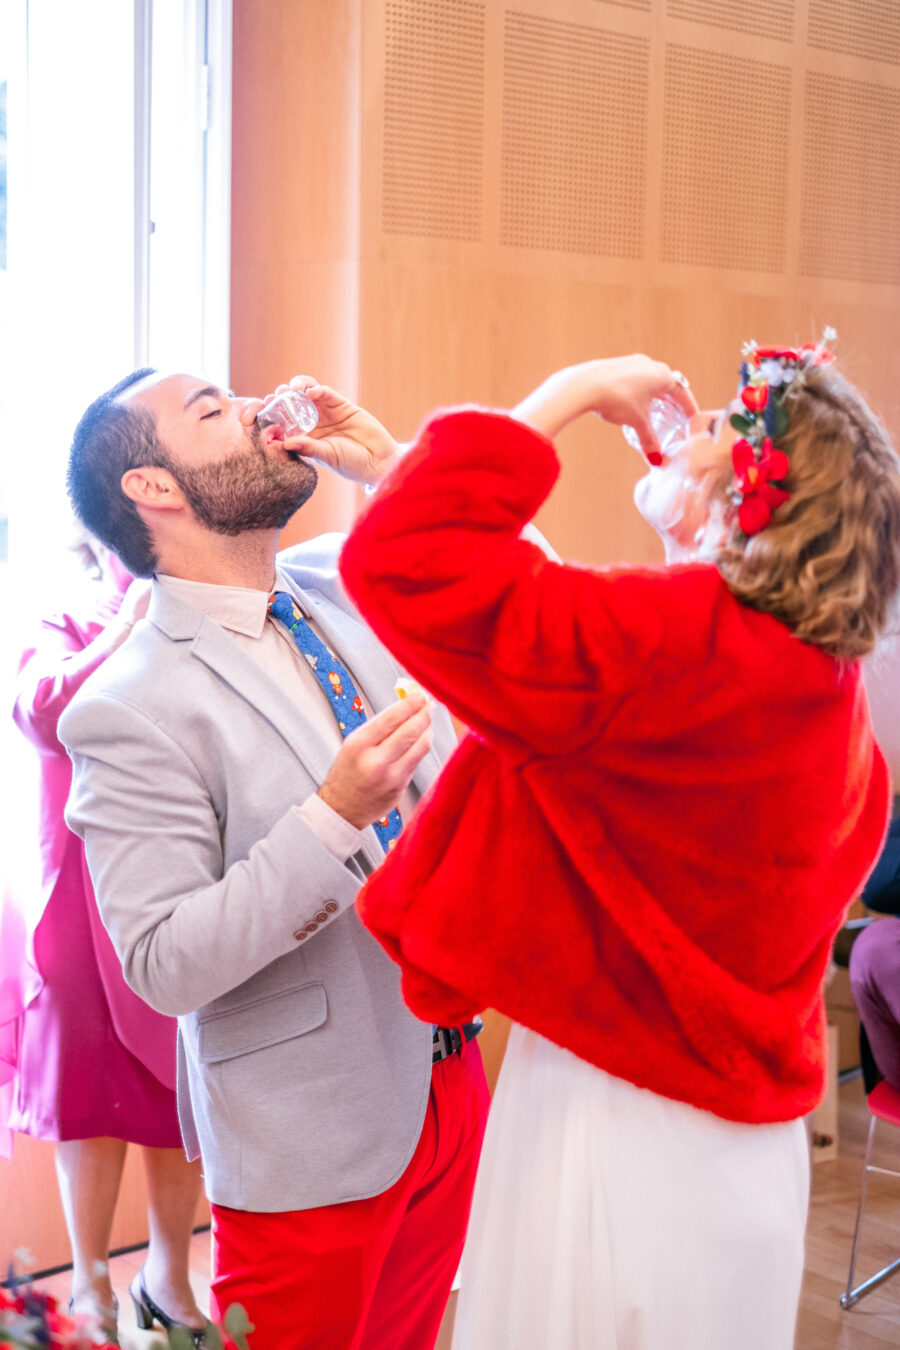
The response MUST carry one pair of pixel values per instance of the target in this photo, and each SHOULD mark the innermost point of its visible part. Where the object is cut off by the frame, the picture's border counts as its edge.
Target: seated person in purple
(875, 956)
(875, 963)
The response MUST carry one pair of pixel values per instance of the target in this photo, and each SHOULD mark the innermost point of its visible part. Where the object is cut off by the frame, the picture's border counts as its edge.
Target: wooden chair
(884, 1104)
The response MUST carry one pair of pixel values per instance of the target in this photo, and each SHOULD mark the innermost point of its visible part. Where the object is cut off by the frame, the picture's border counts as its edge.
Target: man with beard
(230, 813)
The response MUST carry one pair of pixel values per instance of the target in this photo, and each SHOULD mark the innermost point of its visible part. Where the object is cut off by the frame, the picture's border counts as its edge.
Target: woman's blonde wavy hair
(828, 564)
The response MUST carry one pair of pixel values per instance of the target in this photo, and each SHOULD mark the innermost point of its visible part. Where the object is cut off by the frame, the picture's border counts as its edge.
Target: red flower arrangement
(755, 397)
(777, 353)
(767, 376)
(31, 1320)
(754, 478)
(822, 356)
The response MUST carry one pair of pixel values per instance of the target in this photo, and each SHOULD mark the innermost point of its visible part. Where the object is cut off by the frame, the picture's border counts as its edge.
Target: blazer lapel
(212, 645)
(247, 678)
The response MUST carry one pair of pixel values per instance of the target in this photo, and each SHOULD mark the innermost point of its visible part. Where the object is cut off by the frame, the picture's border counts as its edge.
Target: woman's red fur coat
(644, 847)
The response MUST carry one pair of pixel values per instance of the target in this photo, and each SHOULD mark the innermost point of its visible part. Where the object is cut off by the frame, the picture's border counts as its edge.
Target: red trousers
(370, 1274)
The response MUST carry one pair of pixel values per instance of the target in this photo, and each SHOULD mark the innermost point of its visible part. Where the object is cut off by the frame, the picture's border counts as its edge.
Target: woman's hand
(134, 606)
(619, 389)
(136, 601)
(346, 438)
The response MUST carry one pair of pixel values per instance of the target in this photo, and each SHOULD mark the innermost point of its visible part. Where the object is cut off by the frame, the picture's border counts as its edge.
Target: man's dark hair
(111, 438)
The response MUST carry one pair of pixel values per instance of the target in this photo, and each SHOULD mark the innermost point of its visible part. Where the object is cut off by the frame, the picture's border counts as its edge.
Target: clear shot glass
(669, 421)
(292, 411)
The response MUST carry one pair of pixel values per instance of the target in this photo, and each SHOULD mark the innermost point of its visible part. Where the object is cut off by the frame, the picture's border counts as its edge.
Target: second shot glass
(292, 411)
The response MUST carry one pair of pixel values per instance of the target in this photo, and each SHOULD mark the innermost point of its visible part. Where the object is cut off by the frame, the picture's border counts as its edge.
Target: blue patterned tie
(337, 684)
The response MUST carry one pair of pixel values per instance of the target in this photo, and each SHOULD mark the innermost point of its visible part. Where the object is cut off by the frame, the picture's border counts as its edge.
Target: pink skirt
(75, 1078)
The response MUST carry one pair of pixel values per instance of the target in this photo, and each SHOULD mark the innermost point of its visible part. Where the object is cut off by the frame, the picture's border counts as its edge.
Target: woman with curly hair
(644, 848)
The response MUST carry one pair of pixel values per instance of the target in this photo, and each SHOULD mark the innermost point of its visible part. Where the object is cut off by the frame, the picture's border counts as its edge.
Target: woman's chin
(654, 512)
(641, 496)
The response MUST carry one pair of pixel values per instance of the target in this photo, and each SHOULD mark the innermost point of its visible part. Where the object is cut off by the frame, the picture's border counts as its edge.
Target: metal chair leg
(852, 1296)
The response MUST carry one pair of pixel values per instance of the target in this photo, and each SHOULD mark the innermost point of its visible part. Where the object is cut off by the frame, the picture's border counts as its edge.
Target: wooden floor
(823, 1325)
(874, 1323)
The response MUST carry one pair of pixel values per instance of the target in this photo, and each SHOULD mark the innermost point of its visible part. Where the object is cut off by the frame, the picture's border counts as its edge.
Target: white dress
(606, 1217)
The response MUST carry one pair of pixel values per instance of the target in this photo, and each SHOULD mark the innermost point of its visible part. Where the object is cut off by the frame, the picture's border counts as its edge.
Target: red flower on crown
(823, 355)
(754, 483)
(776, 354)
(755, 396)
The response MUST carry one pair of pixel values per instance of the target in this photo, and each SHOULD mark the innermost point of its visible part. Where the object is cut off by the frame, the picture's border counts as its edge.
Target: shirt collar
(234, 607)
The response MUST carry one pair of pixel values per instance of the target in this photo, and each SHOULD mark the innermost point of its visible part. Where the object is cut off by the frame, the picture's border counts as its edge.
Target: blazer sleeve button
(321, 916)
(301, 935)
(311, 927)
(331, 906)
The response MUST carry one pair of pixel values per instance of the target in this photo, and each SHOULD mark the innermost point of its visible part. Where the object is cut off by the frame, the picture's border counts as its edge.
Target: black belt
(446, 1041)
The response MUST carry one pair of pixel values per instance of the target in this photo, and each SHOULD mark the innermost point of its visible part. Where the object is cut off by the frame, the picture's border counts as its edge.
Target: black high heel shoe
(147, 1312)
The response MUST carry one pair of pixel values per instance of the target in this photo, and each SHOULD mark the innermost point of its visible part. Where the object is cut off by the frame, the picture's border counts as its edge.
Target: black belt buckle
(446, 1041)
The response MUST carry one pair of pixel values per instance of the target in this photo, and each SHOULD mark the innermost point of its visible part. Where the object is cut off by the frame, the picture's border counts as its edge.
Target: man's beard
(246, 490)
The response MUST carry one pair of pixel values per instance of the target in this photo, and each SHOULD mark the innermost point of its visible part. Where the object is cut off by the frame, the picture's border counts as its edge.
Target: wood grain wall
(480, 191)
(295, 206)
(32, 1228)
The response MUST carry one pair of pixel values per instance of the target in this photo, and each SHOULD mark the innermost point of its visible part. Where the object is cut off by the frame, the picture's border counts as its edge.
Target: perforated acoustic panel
(574, 137)
(850, 203)
(433, 118)
(725, 174)
(765, 18)
(644, 6)
(869, 28)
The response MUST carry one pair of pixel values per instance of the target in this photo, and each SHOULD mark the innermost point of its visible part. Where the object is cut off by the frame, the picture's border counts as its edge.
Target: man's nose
(247, 409)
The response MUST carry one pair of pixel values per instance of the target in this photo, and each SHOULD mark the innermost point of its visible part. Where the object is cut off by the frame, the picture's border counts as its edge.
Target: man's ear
(153, 488)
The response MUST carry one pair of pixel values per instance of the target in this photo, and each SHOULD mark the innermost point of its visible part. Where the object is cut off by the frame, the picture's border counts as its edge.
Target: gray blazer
(302, 1077)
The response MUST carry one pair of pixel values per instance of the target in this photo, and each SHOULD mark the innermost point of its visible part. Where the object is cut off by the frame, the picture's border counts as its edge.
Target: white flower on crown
(773, 371)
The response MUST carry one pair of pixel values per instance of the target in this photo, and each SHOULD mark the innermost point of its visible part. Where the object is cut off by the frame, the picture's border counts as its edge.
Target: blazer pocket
(266, 1021)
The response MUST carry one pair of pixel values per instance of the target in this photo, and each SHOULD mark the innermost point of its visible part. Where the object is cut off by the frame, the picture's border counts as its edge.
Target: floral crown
(768, 374)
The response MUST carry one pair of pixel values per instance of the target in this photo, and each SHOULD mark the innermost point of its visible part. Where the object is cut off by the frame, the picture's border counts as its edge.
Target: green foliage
(238, 1325)
(180, 1338)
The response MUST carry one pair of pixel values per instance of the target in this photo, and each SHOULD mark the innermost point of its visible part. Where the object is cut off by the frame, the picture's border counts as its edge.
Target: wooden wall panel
(852, 138)
(31, 1217)
(295, 220)
(764, 18)
(409, 225)
(724, 197)
(573, 137)
(757, 182)
(433, 118)
(492, 1044)
(866, 28)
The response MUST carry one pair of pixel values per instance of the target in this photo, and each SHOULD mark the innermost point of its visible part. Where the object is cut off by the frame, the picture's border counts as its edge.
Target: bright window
(117, 119)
